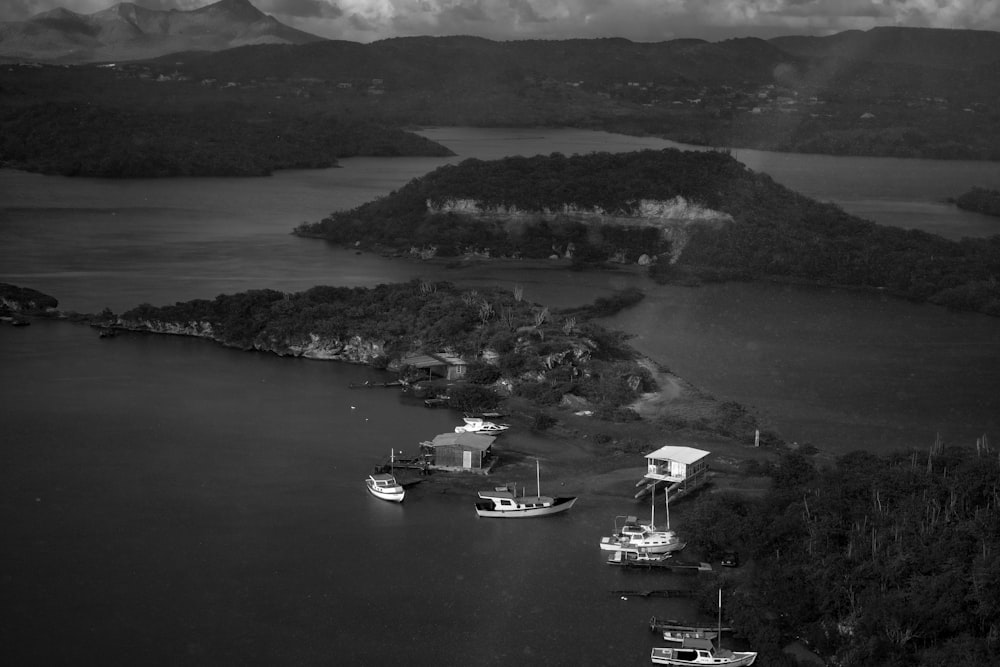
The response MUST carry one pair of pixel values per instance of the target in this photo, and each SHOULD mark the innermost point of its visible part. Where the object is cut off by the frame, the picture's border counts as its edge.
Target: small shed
(439, 364)
(676, 464)
(468, 451)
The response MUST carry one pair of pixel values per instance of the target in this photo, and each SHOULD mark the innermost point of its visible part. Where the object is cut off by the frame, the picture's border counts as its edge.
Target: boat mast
(666, 503)
(538, 479)
(719, 636)
(652, 508)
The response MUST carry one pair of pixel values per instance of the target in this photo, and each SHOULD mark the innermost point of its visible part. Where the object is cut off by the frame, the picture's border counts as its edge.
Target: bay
(169, 501)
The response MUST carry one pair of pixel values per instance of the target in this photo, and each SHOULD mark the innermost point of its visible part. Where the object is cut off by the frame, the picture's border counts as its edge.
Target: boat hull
(613, 544)
(676, 657)
(561, 504)
(392, 496)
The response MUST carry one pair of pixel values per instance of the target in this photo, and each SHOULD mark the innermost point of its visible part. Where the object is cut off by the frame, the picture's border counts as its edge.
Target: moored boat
(384, 486)
(630, 535)
(503, 502)
(479, 425)
(700, 652)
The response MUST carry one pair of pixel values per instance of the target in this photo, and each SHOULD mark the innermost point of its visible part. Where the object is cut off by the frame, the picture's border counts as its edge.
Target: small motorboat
(478, 425)
(384, 486)
(700, 652)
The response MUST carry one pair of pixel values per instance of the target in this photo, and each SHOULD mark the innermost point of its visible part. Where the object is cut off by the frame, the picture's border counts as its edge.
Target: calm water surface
(167, 501)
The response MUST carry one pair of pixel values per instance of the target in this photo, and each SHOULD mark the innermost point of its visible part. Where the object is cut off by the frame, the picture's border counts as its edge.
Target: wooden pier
(375, 385)
(660, 625)
(657, 593)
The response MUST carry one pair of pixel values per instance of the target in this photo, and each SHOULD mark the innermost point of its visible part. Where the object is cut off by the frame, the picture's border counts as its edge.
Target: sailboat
(630, 535)
(384, 485)
(503, 502)
(701, 651)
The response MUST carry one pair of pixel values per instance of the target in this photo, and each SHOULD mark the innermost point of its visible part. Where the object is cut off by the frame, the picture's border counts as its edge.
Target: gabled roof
(686, 455)
(428, 359)
(468, 440)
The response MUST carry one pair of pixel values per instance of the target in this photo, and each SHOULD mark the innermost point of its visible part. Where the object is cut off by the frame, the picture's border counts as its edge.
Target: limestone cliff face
(674, 217)
(310, 346)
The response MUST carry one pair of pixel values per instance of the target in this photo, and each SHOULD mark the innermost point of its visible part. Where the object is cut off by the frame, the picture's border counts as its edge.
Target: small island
(980, 200)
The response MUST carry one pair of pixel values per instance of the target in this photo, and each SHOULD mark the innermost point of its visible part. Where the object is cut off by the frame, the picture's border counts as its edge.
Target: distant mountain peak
(129, 31)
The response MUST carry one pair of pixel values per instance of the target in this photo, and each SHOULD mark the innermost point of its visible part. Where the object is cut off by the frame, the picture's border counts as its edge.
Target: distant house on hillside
(440, 364)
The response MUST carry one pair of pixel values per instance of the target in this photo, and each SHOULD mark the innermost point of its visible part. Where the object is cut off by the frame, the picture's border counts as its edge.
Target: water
(171, 502)
(168, 501)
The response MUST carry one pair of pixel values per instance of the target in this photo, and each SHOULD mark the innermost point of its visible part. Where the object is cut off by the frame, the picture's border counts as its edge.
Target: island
(689, 216)
(980, 200)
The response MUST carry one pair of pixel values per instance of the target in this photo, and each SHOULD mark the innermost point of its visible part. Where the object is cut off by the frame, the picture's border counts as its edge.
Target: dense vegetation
(24, 299)
(980, 200)
(875, 560)
(775, 233)
(614, 183)
(94, 140)
(538, 354)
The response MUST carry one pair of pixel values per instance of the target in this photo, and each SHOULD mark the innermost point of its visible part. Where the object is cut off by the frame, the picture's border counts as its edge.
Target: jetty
(673, 565)
(660, 625)
(657, 593)
(372, 385)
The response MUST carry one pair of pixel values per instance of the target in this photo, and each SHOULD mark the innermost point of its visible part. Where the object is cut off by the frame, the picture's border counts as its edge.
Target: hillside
(691, 215)
(902, 93)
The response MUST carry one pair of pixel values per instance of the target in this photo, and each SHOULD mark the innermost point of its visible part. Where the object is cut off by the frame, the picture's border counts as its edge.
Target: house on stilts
(679, 470)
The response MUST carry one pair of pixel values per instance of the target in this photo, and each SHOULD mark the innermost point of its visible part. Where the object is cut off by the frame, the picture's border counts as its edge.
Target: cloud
(306, 9)
(638, 20)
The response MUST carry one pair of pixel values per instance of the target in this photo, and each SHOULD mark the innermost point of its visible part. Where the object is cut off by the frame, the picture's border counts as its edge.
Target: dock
(657, 593)
(674, 565)
(373, 385)
(660, 625)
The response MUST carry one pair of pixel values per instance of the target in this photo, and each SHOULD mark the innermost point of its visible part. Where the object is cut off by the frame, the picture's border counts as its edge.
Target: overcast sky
(638, 20)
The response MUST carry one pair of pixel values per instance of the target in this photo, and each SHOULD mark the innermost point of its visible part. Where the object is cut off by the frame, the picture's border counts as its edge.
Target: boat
(701, 651)
(630, 535)
(681, 635)
(383, 485)
(479, 425)
(503, 502)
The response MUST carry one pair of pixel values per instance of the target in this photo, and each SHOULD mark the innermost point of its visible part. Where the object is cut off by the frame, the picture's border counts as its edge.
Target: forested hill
(731, 223)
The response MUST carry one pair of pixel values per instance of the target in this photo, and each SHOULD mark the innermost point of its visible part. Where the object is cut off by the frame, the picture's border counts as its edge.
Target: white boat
(503, 502)
(700, 652)
(478, 425)
(384, 486)
(630, 535)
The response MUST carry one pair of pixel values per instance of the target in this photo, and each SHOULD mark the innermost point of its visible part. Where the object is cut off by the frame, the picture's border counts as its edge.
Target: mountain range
(127, 31)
